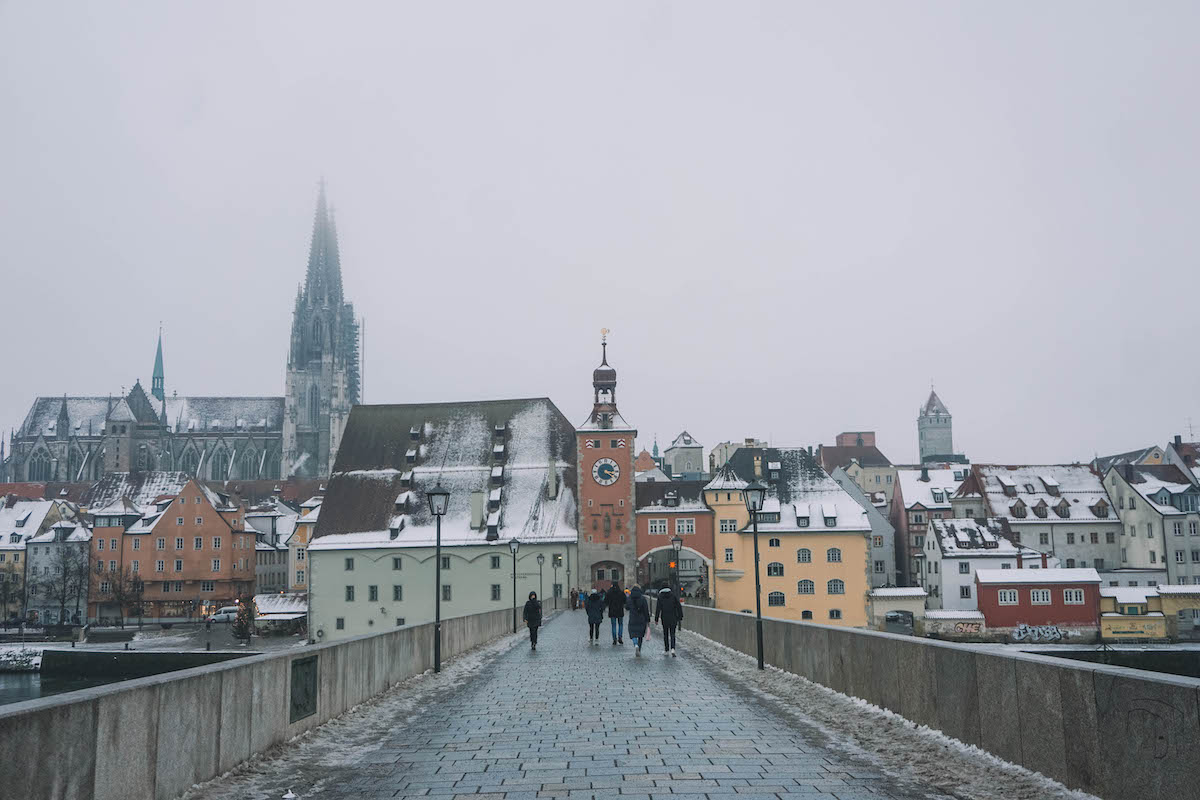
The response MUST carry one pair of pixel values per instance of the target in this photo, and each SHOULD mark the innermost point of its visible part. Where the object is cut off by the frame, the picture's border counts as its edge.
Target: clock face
(605, 472)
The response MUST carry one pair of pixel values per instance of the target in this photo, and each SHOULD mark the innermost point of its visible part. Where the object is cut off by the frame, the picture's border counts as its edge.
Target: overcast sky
(792, 216)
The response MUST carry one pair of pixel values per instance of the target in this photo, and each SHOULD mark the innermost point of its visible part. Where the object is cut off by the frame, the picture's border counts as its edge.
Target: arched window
(833, 555)
(39, 466)
(835, 586)
(804, 556)
(775, 599)
(773, 543)
(189, 461)
(805, 615)
(316, 343)
(218, 465)
(314, 407)
(141, 458)
(274, 464)
(806, 587)
(249, 468)
(774, 570)
(74, 462)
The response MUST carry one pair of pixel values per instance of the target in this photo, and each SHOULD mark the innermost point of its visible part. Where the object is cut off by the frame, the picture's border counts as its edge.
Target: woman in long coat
(639, 617)
(533, 618)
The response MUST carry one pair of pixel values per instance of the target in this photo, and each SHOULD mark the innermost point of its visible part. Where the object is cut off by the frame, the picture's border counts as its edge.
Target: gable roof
(941, 483)
(455, 443)
(1049, 484)
(1101, 464)
(726, 479)
(834, 456)
(802, 490)
(934, 405)
(653, 496)
(142, 488)
(684, 439)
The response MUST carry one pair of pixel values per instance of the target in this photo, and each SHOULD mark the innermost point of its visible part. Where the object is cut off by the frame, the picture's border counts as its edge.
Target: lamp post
(556, 563)
(439, 499)
(514, 545)
(541, 559)
(676, 546)
(754, 494)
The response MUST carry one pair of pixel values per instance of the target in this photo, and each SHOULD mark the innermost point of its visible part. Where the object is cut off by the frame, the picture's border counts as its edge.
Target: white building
(509, 469)
(956, 548)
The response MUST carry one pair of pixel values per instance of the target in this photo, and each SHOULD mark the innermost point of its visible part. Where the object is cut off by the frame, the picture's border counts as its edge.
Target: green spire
(156, 385)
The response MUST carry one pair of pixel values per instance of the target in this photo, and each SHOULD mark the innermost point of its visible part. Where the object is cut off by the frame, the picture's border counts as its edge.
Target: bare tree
(67, 578)
(10, 589)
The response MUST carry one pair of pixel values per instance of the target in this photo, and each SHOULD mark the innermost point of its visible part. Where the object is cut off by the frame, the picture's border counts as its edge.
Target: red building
(1040, 604)
(667, 510)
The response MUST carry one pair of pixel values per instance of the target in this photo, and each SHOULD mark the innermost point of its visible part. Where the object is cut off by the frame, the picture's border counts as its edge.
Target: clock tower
(604, 448)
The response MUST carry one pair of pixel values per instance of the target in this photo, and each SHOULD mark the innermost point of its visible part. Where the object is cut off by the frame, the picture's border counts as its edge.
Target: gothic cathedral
(323, 373)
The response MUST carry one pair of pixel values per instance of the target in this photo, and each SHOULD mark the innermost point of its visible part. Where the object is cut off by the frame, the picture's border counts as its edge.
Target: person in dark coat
(639, 617)
(533, 618)
(615, 600)
(669, 611)
(594, 604)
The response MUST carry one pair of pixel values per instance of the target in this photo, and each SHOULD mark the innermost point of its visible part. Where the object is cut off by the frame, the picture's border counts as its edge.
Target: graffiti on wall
(967, 627)
(1036, 633)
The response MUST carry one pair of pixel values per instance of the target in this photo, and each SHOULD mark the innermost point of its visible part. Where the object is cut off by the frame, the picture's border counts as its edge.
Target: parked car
(226, 614)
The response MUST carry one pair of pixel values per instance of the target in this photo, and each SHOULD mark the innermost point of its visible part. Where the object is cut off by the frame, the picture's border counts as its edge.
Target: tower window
(314, 406)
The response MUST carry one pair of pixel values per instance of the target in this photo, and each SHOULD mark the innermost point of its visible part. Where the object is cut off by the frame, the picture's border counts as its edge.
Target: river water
(18, 686)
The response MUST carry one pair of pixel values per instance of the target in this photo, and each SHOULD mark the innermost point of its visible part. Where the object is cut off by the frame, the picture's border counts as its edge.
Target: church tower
(323, 367)
(604, 453)
(934, 434)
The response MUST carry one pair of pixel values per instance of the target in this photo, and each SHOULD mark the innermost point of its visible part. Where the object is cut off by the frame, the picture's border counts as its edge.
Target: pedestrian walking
(594, 604)
(669, 611)
(615, 600)
(572, 598)
(639, 618)
(533, 618)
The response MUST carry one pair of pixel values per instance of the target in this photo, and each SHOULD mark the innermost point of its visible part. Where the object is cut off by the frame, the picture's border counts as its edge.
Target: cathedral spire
(156, 381)
(323, 283)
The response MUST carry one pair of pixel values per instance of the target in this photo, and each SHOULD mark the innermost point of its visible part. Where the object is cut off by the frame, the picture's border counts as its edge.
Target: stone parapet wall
(1118, 733)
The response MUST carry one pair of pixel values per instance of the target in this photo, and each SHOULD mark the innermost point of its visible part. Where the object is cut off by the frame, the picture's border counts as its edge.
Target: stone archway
(695, 579)
(604, 574)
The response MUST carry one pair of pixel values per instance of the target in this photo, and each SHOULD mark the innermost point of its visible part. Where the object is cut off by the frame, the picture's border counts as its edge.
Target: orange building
(192, 553)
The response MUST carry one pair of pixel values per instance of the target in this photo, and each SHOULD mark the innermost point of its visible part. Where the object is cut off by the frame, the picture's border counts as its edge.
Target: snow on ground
(349, 739)
(895, 745)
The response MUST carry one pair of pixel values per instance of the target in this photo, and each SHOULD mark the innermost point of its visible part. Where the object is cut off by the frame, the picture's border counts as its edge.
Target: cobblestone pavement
(572, 721)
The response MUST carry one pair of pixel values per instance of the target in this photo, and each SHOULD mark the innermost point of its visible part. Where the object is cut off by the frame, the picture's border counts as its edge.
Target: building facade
(684, 458)
(955, 549)
(1044, 605)
(666, 511)
(883, 533)
(57, 571)
(935, 438)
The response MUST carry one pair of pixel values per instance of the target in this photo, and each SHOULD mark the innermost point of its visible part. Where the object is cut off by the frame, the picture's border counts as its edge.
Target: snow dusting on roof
(932, 493)
(726, 480)
(1128, 594)
(1086, 498)
(965, 537)
(899, 591)
(1037, 575)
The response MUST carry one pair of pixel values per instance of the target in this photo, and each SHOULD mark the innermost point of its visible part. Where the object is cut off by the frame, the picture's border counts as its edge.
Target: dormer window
(499, 431)
(406, 479)
(1041, 509)
(414, 433)
(1018, 509)
(1100, 509)
(831, 522)
(498, 452)
(1063, 509)
(937, 496)
(1029, 488)
(498, 474)
(411, 456)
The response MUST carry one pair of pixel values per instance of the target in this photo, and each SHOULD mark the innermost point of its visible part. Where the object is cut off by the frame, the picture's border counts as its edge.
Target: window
(217, 546)
(806, 587)
(1153, 557)
(178, 564)
(495, 591)
(775, 599)
(445, 593)
(658, 526)
(198, 543)
(1149, 530)
(833, 555)
(1070, 563)
(1099, 563)
(835, 613)
(1039, 597)
(880, 567)
(445, 562)
(179, 520)
(728, 555)
(299, 576)
(877, 541)
(397, 593)
(340, 623)
(161, 543)
(775, 570)
(1007, 597)
(730, 526)
(1178, 528)
(1196, 556)
(1043, 538)
(773, 543)
(804, 556)
(835, 586)
(199, 520)
(964, 568)
(685, 525)
(805, 615)
(1073, 597)
(1179, 557)
(373, 594)
(349, 594)
(1193, 529)
(399, 622)
(216, 565)
(99, 544)
(1070, 538)
(208, 586)
(349, 564)
(397, 563)
(104, 587)
(964, 592)
(1110, 537)
(160, 565)
(166, 587)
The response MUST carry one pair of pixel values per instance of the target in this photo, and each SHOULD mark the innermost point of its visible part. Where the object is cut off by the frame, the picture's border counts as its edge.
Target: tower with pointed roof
(934, 433)
(604, 453)
(323, 358)
(157, 383)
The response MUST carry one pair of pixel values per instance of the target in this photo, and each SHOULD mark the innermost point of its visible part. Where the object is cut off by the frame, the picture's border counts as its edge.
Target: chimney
(1044, 561)
(1178, 440)
(1020, 560)
(925, 474)
(478, 508)
(551, 480)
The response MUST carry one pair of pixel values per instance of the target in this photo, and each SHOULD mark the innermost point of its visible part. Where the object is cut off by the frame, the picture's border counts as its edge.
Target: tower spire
(156, 381)
(323, 282)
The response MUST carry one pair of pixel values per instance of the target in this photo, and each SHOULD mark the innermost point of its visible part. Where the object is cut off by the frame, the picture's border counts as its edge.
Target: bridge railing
(155, 737)
(1114, 732)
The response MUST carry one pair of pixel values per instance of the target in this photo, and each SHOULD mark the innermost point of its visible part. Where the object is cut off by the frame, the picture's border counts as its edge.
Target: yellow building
(814, 541)
(297, 544)
(1146, 612)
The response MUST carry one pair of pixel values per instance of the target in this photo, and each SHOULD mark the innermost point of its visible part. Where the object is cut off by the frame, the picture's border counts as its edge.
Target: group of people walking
(668, 612)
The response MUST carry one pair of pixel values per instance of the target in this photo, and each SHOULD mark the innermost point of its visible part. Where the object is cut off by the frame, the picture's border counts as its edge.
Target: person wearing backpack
(639, 618)
(615, 600)
(670, 612)
(594, 605)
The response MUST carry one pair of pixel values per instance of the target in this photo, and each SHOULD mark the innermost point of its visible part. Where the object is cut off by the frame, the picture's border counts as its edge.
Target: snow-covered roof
(1011, 489)
(726, 480)
(63, 531)
(943, 613)
(538, 498)
(899, 591)
(959, 538)
(934, 405)
(616, 423)
(1037, 575)
(684, 439)
(684, 507)
(142, 488)
(1128, 594)
(933, 493)
(654, 475)
(224, 413)
(23, 516)
(286, 603)
(1174, 588)
(1156, 481)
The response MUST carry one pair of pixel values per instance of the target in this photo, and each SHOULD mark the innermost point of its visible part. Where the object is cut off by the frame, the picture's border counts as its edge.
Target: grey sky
(792, 216)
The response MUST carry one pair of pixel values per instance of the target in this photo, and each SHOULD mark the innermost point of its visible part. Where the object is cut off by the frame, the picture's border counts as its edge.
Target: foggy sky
(792, 216)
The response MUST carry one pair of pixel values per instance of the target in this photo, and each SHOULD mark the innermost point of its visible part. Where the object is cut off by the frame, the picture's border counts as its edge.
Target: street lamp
(755, 493)
(514, 545)
(541, 559)
(677, 545)
(439, 500)
(556, 563)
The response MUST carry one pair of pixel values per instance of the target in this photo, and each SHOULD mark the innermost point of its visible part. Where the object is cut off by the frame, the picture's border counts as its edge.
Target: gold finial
(604, 334)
